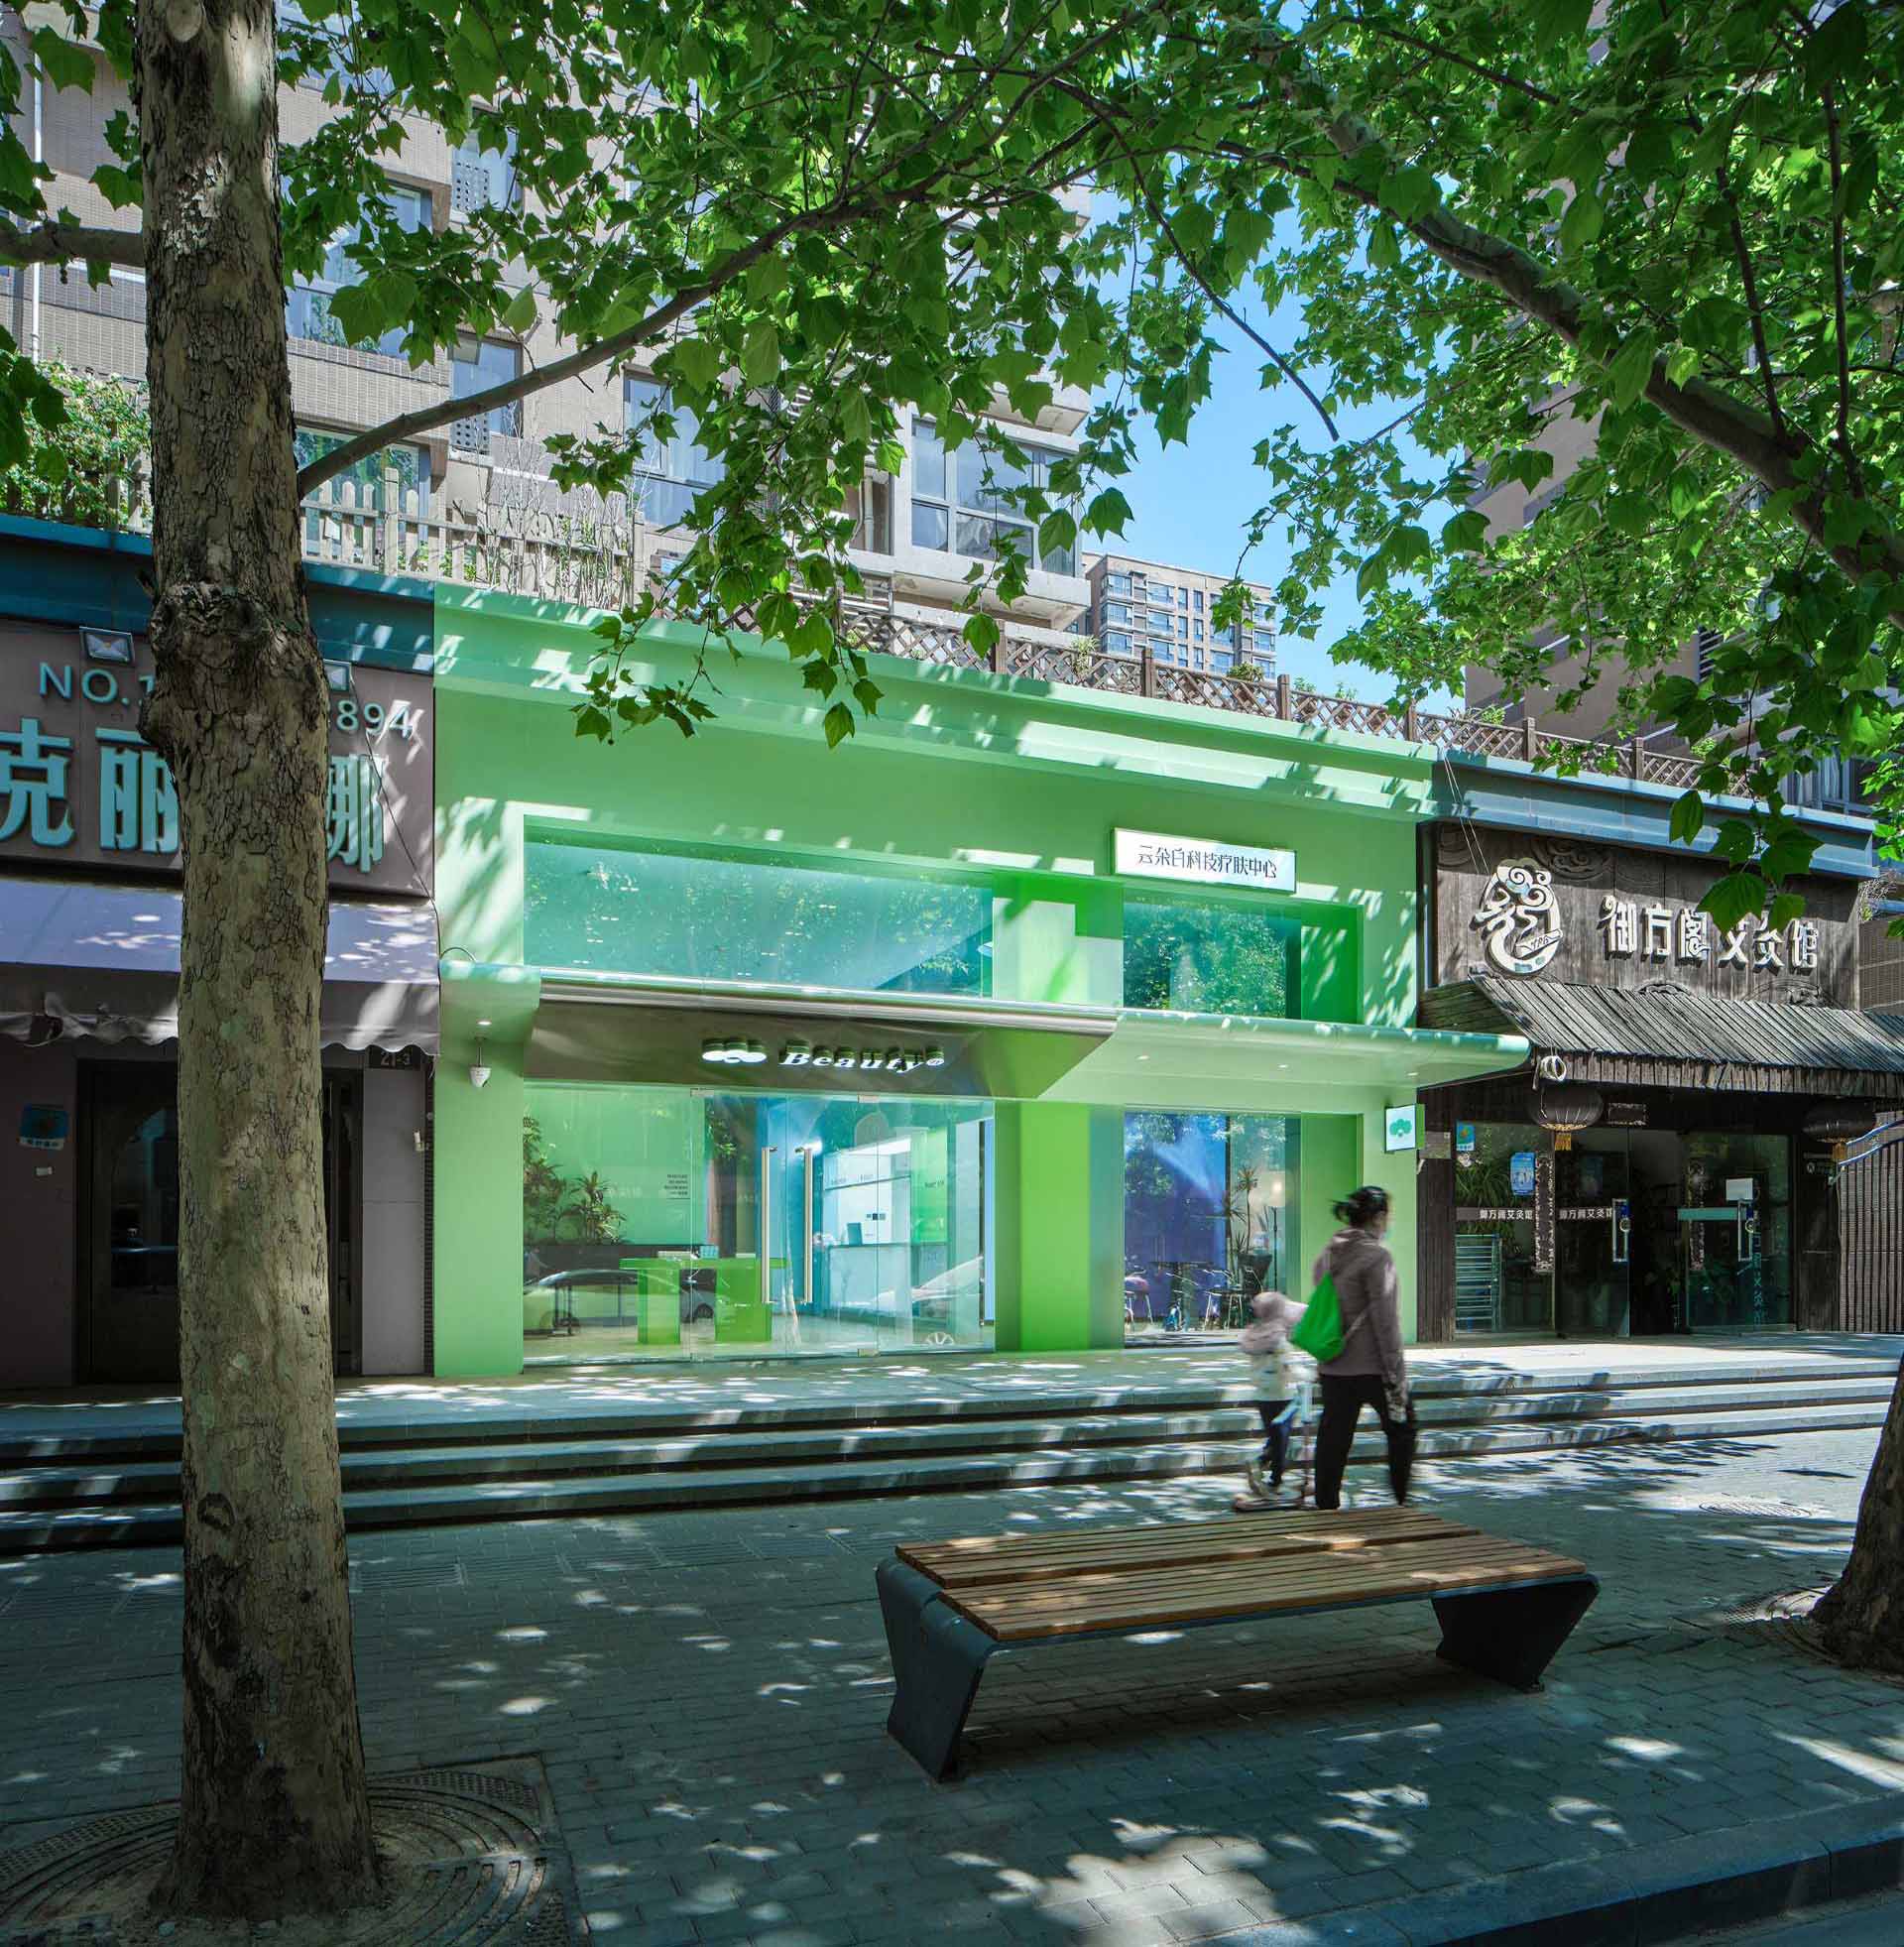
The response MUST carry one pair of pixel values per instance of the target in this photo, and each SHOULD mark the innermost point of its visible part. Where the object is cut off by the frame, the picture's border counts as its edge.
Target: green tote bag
(1319, 1331)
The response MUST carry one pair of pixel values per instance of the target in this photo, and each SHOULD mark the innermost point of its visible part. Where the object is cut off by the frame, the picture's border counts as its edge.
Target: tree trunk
(1861, 1620)
(274, 1814)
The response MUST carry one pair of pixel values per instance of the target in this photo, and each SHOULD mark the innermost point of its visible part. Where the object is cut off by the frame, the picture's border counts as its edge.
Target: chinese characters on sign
(1518, 917)
(139, 804)
(1151, 855)
(1682, 934)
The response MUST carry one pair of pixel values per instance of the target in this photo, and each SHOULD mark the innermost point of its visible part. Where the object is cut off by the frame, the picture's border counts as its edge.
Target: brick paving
(708, 1691)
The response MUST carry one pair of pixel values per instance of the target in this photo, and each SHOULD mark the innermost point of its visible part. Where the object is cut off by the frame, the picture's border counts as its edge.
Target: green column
(478, 1136)
(1058, 1227)
(1397, 1175)
(1331, 1159)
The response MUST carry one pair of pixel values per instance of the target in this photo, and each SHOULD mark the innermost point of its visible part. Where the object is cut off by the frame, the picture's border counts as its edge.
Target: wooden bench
(1505, 1608)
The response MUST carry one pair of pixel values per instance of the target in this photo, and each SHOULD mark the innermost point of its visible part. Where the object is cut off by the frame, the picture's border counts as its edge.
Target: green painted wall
(1018, 787)
(1058, 1227)
(479, 1218)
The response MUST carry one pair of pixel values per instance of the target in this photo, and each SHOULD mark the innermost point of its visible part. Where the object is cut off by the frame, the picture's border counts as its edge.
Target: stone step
(151, 1522)
(1502, 1392)
(53, 1485)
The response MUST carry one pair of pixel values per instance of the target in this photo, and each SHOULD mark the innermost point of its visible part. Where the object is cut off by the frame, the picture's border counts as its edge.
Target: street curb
(1646, 1897)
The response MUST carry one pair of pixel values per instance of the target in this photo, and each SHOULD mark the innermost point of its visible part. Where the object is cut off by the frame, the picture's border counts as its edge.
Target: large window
(1211, 957)
(1211, 1210)
(639, 910)
(308, 312)
(960, 504)
(668, 473)
(474, 367)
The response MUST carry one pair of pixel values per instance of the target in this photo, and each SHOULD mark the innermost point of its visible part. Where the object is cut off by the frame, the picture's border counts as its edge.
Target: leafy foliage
(79, 463)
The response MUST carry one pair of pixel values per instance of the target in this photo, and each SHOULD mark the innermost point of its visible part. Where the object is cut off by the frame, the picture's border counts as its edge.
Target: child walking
(1282, 1395)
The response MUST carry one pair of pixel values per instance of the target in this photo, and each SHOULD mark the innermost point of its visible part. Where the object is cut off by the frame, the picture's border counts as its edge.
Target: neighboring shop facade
(1028, 1018)
(1681, 1153)
(89, 917)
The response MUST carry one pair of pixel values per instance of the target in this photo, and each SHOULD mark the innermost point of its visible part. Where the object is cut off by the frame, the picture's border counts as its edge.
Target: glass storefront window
(1736, 1233)
(663, 1222)
(628, 908)
(1209, 1217)
(1208, 956)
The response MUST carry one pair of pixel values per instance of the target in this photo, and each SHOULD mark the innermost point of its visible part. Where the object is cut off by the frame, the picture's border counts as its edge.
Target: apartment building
(1136, 603)
(919, 532)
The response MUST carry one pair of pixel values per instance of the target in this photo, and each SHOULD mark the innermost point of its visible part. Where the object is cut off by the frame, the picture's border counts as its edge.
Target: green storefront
(1030, 1018)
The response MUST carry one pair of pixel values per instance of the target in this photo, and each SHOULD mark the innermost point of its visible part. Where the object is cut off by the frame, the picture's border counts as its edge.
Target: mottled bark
(274, 1815)
(1863, 1618)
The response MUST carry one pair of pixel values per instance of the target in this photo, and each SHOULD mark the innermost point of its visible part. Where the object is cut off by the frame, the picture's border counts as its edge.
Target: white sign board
(1204, 862)
(1740, 1189)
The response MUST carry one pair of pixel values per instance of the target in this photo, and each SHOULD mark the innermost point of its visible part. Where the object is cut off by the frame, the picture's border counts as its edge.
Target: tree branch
(66, 243)
(1853, 470)
(1533, 288)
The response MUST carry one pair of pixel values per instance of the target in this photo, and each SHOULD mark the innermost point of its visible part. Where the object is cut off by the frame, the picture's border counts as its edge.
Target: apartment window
(1196, 600)
(959, 504)
(1118, 613)
(308, 306)
(485, 177)
(871, 506)
(1160, 626)
(668, 473)
(1183, 628)
(1117, 643)
(474, 368)
(1706, 649)
(1221, 661)
(1183, 598)
(367, 477)
(1196, 632)
(1117, 584)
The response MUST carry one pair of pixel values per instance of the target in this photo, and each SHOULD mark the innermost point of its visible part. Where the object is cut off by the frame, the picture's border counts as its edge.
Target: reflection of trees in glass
(588, 1213)
(653, 911)
(1208, 957)
(542, 1186)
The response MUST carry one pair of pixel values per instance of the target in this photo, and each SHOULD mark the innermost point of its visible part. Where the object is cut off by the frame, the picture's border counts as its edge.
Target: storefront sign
(1202, 861)
(1624, 1115)
(1544, 908)
(1400, 1129)
(81, 787)
(888, 1060)
(1740, 1189)
(1463, 1139)
(43, 1126)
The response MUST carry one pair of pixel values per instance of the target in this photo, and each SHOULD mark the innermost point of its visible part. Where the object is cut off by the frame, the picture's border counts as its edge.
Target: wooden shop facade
(1705, 1136)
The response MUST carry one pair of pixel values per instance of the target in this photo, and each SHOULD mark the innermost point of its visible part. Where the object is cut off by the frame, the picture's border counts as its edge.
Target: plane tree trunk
(1861, 1620)
(274, 1812)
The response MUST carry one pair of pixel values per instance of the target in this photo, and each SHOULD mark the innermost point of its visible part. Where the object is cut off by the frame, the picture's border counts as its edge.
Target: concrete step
(525, 1495)
(51, 1484)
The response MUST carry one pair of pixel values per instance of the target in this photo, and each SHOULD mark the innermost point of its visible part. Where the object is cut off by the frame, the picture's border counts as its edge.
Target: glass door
(1735, 1233)
(132, 1297)
(1593, 1237)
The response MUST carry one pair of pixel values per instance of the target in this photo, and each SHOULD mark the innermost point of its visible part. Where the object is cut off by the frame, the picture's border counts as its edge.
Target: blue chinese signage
(1520, 1173)
(79, 785)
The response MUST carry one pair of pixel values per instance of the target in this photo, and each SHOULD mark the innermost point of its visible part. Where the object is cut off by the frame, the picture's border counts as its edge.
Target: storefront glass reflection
(1652, 1231)
(668, 1222)
(1210, 1213)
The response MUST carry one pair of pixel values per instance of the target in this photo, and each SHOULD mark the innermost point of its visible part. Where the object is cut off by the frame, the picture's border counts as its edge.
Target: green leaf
(1786, 907)
(1555, 21)
(1736, 897)
(67, 65)
(1682, 363)
(856, 417)
(1384, 248)
(1466, 533)
(839, 725)
(1408, 191)
(1582, 223)
(1688, 819)
(519, 313)
(1107, 513)
(761, 354)
(697, 361)
(1632, 366)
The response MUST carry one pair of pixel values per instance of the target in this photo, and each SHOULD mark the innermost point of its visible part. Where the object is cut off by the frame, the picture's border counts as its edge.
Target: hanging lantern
(1840, 1123)
(1566, 1108)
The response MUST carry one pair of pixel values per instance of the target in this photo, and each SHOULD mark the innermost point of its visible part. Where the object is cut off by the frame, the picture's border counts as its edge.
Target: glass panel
(1210, 1206)
(1737, 1267)
(928, 464)
(635, 910)
(929, 526)
(145, 1207)
(642, 1216)
(1211, 957)
(410, 464)
(476, 367)
(1497, 1288)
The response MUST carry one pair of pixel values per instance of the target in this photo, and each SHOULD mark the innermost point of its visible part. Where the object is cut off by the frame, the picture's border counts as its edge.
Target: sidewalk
(708, 1691)
(559, 1396)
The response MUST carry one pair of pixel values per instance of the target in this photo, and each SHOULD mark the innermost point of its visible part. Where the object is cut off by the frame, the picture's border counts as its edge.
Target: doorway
(129, 1320)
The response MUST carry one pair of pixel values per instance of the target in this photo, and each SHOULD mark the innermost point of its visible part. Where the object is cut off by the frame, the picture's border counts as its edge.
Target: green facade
(1001, 799)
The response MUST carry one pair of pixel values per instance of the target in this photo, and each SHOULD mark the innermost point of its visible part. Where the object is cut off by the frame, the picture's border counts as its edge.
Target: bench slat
(987, 1559)
(1266, 1586)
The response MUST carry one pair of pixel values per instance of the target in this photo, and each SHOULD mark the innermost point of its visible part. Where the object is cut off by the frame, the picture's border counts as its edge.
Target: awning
(1667, 1040)
(102, 961)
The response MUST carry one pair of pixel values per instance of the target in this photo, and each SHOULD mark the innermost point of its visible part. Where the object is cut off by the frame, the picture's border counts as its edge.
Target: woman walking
(1369, 1370)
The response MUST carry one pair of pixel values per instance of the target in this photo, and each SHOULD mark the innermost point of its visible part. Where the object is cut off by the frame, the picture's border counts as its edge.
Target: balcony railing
(601, 564)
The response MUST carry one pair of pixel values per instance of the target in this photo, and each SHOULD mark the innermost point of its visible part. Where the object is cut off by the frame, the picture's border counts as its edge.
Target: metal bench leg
(938, 1660)
(1511, 1634)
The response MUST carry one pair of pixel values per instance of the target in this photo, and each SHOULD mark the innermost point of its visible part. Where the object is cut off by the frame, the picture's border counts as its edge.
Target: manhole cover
(474, 1857)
